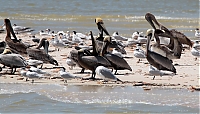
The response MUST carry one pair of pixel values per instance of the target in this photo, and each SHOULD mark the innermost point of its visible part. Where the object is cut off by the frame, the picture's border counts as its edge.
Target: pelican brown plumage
(117, 62)
(92, 62)
(173, 34)
(38, 54)
(99, 40)
(7, 58)
(155, 59)
(14, 44)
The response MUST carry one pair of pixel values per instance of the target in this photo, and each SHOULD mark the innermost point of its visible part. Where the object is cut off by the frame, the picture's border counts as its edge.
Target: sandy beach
(187, 71)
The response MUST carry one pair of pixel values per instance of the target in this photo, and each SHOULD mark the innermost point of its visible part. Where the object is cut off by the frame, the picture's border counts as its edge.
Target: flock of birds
(105, 53)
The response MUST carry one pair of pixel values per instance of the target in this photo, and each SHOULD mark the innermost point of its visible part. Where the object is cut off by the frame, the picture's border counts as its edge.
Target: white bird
(46, 32)
(19, 28)
(81, 35)
(37, 70)
(116, 52)
(30, 74)
(195, 52)
(139, 53)
(76, 38)
(197, 33)
(70, 62)
(106, 74)
(196, 44)
(118, 37)
(135, 35)
(57, 43)
(66, 76)
(33, 62)
(155, 72)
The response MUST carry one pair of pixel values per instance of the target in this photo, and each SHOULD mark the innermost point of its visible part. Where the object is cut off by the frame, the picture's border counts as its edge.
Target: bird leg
(115, 72)
(65, 81)
(82, 70)
(32, 81)
(154, 77)
(13, 71)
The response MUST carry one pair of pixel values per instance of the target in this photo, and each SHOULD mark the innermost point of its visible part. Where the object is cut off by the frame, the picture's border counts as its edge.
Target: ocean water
(52, 98)
(124, 16)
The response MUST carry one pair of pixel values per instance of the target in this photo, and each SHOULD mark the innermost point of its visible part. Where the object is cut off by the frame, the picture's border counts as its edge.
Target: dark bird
(117, 62)
(39, 54)
(155, 59)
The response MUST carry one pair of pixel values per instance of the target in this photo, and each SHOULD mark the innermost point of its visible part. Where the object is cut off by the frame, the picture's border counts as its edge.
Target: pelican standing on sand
(12, 60)
(117, 62)
(106, 74)
(39, 54)
(92, 62)
(15, 44)
(155, 59)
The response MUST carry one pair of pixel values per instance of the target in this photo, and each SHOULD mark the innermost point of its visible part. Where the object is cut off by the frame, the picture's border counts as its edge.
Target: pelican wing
(163, 61)
(181, 37)
(13, 60)
(116, 60)
(41, 55)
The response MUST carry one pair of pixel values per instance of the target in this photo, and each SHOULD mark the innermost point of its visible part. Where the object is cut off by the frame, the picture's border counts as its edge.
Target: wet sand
(187, 71)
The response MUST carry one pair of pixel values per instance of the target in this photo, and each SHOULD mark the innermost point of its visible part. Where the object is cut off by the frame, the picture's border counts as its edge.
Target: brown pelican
(7, 58)
(99, 39)
(15, 44)
(38, 54)
(117, 62)
(155, 59)
(92, 62)
(172, 34)
(74, 56)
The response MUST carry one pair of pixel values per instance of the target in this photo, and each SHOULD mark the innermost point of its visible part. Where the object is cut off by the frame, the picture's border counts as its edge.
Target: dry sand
(187, 71)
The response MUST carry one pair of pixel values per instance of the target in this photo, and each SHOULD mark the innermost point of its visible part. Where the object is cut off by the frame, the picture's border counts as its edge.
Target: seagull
(116, 52)
(155, 72)
(58, 43)
(118, 37)
(106, 74)
(139, 53)
(35, 63)
(195, 52)
(197, 33)
(30, 74)
(76, 38)
(66, 76)
(196, 44)
(37, 70)
(70, 62)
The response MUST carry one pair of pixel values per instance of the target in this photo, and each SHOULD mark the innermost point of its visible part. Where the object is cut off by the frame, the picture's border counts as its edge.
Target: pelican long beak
(103, 28)
(100, 25)
(150, 18)
(9, 27)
